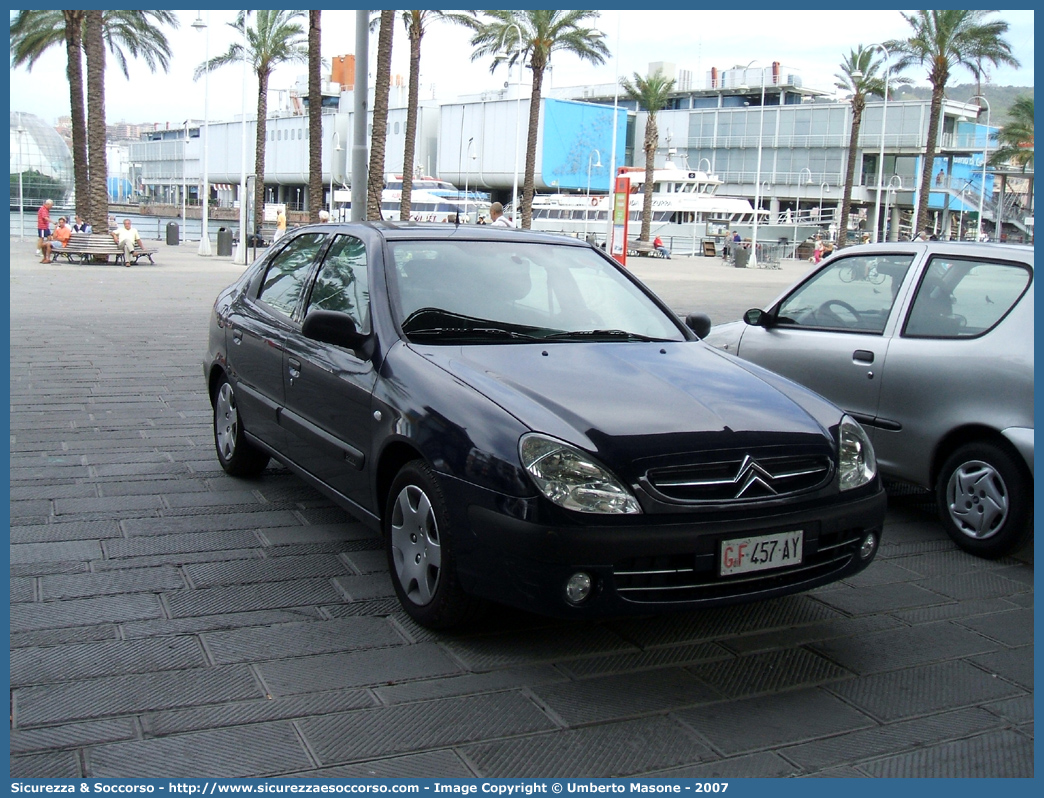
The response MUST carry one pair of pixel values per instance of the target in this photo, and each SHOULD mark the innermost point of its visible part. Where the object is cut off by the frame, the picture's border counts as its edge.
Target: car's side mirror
(331, 327)
(756, 317)
(699, 323)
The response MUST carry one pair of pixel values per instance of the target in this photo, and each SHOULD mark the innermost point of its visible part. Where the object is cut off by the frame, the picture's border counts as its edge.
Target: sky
(810, 43)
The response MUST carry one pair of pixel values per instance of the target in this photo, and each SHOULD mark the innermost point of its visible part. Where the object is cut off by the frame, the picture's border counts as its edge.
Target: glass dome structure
(44, 160)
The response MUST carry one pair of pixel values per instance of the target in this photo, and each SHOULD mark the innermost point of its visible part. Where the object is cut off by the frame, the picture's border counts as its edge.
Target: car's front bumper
(652, 564)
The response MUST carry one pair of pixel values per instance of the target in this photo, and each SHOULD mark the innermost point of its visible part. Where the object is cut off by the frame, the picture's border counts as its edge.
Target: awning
(222, 186)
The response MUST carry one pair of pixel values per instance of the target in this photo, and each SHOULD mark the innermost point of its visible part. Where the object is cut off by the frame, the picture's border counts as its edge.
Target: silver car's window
(342, 284)
(509, 291)
(855, 294)
(960, 298)
(287, 274)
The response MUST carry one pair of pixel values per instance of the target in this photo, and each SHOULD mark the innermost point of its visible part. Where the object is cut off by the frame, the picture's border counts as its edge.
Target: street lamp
(985, 144)
(891, 190)
(757, 178)
(467, 177)
(588, 205)
(184, 179)
(241, 253)
(824, 187)
(880, 157)
(20, 130)
(204, 230)
(701, 164)
(336, 137)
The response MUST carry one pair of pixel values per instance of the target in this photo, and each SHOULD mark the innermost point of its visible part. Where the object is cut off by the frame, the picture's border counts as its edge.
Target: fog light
(578, 587)
(869, 544)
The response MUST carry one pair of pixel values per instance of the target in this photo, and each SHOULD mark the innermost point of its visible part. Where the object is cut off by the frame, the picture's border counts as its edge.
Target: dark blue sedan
(526, 423)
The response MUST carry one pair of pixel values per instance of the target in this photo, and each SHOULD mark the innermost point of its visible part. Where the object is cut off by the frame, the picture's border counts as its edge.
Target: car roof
(1020, 252)
(405, 231)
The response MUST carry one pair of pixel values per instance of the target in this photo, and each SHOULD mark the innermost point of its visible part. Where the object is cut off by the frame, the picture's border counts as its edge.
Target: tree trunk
(651, 138)
(528, 185)
(378, 139)
(74, 74)
(921, 215)
(259, 156)
(858, 105)
(98, 172)
(412, 112)
(315, 117)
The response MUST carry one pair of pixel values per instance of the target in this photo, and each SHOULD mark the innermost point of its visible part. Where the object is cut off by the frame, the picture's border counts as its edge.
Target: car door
(831, 333)
(328, 387)
(257, 325)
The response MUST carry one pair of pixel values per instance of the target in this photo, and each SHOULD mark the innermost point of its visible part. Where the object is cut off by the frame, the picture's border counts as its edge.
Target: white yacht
(431, 200)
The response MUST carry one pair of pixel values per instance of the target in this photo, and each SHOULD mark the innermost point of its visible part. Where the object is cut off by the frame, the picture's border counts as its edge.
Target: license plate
(760, 553)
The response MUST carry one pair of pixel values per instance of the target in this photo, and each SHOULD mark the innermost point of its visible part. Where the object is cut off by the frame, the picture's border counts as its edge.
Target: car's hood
(726, 336)
(632, 400)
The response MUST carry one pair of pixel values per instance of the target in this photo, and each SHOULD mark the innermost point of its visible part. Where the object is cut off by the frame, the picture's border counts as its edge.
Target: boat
(431, 200)
(685, 204)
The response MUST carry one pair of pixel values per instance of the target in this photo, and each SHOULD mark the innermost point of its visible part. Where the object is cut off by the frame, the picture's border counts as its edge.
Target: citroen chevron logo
(750, 475)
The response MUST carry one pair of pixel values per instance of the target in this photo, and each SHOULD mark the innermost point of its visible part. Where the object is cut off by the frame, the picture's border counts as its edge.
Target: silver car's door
(831, 332)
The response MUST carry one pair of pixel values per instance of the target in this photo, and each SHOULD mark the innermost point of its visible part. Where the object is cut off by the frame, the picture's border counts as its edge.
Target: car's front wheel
(237, 455)
(984, 500)
(420, 551)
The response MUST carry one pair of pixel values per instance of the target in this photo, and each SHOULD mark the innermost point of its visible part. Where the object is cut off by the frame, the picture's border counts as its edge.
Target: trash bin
(172, 234)
(224, 242)
(742, 256)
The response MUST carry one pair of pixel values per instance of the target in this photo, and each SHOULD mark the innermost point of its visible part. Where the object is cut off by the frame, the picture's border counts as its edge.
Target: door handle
(863, 356)
(237, 336)
(294, 368)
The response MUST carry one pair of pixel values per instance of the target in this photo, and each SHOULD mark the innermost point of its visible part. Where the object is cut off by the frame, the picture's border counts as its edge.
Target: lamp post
(588, 205)
(757, 178)
(336, 137)
(184, 179)
(609, 246)
(20, 130)
(824, 188)
(880, 157)
(701, 164)
(204, 234)
(985, 144)
(241, 253)
(888, 194)
(467, 176)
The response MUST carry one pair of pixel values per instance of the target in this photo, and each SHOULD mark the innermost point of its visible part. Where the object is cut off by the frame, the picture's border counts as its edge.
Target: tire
(985, 500)
(419, 544)
(237, 455)
(846, 274)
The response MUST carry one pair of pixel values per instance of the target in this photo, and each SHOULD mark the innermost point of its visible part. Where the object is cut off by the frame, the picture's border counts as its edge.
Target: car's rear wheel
(984, 500)
(238, 456)
(419, 544)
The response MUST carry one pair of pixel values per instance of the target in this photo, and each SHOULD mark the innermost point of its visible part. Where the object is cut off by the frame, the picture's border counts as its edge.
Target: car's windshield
(508, 291)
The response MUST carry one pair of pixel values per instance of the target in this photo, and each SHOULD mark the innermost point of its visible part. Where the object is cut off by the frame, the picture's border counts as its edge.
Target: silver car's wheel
(238, 456)
(985, 500)
(977, 499)
(419, 543)
(416, 549)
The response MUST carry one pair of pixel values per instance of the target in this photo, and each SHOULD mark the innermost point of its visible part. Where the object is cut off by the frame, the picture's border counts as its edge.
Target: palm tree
(276, 38)
(858, 77)
(1016, 137)
(944, 40)
(315, 116)
(35, 32)
(542, 33)
(378, 137)
(98, 179)
(652, 94)
(415, 22)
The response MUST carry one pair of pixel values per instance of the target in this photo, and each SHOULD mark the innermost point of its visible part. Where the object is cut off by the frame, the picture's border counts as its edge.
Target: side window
(287, 274)
(853, 294)
(342, 284)
(964, 298)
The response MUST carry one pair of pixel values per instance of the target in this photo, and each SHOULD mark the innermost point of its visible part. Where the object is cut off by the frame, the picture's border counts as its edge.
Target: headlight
(572, 479)
(856, 462)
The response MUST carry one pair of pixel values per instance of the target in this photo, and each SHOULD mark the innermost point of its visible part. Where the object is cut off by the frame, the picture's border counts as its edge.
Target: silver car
(930, 347)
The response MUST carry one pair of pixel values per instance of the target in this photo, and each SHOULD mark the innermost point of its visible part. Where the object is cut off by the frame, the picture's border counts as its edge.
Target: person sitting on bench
(58, 240)
(127, 239)
(659, 247)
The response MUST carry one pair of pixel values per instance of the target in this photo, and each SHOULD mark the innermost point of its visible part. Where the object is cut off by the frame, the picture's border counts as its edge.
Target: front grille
(691, 577)
(741, 478)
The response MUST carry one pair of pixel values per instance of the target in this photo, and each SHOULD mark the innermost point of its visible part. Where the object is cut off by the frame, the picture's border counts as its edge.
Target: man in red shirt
(43, 225)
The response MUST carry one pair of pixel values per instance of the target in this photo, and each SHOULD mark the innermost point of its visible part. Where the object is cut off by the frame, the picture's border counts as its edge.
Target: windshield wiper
(604, 335)
(466, 333)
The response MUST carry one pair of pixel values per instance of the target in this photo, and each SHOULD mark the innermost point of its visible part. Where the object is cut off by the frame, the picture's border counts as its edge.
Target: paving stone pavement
(168, 620)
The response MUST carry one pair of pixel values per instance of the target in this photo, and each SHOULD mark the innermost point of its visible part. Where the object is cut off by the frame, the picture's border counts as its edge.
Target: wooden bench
(642, 249)
(84, 247)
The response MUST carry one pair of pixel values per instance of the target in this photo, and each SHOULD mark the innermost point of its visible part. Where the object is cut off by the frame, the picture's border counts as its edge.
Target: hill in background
(1000, 98)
